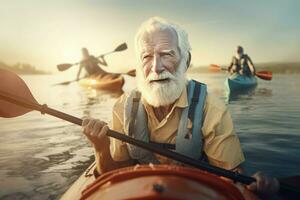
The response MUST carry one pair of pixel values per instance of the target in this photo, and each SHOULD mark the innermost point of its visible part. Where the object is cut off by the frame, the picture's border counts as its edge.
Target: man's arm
(95, 130)
(251, 65)
(110, 153)
(232, 66)
(104, 161)
(221, 143)
(79, 71)
(223, 148)
(102, 61)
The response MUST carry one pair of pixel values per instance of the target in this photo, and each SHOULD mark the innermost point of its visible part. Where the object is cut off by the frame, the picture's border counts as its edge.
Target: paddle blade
(265, 75)
(214, 68)
(121, 47)
(63, 67)
(13, 86)
(131, 73)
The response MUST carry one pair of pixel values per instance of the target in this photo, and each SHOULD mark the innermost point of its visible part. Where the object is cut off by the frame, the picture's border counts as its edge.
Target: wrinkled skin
(160, 77)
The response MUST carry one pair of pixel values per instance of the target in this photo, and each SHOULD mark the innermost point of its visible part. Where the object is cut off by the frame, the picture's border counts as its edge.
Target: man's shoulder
(245, 56)
(215, 103)
(120, 103)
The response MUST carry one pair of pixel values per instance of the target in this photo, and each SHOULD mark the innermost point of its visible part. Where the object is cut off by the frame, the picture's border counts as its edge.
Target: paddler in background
(91, 64)
(169, 111)
(241, 63)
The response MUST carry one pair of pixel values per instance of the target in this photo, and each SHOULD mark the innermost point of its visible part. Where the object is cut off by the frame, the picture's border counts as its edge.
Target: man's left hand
(264, 185)
(241, 72)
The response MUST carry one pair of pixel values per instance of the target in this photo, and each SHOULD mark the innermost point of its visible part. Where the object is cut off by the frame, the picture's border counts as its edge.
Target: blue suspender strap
(194, 102)
(134, 109)
(198, 113)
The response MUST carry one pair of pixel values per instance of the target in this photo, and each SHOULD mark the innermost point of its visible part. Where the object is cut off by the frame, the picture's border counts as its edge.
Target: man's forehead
(159, 37)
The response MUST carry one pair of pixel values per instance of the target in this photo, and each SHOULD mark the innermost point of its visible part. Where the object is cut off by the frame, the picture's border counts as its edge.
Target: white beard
(162, 93)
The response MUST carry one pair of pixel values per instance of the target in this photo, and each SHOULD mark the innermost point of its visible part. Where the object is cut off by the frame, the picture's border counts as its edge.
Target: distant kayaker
(241, 63)
(169, 111)
(91, 64)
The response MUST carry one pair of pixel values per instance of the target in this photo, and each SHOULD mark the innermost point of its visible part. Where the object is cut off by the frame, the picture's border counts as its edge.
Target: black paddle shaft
(164, 152)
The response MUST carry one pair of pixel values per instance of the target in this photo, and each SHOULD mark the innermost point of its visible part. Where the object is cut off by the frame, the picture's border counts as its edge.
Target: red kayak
(156, 182)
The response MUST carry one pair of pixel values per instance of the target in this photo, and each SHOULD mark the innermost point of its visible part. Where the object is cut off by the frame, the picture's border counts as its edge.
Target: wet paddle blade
(121, 47)
(13, 86)
(63, 67)
(265, 75)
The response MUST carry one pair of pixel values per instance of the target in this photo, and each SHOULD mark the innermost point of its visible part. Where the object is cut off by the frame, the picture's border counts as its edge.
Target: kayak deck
(156, 182)
(109, 82)
(239, 83)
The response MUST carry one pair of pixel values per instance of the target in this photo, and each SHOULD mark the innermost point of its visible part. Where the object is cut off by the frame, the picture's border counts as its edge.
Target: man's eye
(147, 57)
(167, 54)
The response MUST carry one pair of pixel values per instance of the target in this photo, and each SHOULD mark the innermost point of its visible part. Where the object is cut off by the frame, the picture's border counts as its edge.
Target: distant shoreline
(23, 69)
(275, 67)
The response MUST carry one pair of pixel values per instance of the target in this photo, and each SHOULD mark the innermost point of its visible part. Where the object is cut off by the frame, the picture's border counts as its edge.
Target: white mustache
(163, 75)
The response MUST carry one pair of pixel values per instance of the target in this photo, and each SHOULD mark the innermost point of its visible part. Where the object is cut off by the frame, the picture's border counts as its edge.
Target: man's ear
(188, 62)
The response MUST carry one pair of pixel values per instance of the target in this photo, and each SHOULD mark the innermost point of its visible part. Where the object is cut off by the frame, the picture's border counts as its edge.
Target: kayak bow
(239, 83)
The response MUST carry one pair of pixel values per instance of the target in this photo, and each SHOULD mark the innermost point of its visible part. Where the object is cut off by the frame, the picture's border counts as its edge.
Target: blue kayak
(239, 83)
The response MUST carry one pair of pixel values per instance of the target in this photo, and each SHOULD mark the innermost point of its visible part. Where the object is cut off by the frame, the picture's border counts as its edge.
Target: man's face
(159, 52)
(239, 52)
(160, 77)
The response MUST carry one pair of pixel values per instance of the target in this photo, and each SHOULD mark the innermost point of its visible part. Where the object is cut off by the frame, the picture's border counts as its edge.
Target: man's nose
(157, 66)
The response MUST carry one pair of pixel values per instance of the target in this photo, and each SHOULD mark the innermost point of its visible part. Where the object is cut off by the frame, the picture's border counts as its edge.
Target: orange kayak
(156, 182)
(109, 82)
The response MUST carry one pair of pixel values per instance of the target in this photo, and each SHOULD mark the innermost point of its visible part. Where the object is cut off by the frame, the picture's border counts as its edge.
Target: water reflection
(247, 94)
(232, 96)
(264, 92)
(40, 156)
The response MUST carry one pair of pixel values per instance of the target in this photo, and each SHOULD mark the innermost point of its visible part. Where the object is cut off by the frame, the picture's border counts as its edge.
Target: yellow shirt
(221, 144)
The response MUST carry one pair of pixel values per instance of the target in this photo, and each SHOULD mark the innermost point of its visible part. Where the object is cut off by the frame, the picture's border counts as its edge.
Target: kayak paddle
(265, 75)
(121, 47)
(16, 99)
(129, 73)
(65, 66)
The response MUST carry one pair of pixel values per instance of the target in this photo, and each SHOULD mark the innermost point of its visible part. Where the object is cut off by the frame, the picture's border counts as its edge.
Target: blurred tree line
(22, 68)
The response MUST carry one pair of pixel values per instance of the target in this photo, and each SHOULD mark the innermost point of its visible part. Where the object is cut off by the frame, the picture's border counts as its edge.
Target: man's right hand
(95, 130)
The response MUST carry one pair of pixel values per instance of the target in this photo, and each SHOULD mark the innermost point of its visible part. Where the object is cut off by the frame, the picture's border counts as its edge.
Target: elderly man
(168, 111)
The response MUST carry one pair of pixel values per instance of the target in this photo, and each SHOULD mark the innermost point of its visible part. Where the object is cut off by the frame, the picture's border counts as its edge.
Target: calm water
(40, 156)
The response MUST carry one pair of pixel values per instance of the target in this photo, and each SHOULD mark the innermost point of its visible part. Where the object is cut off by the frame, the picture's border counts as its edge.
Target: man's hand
(95, 130)
(264, 185)
(241, 72)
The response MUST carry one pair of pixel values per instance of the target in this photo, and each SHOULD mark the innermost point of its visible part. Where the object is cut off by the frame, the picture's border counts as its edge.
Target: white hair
(158, 23)
(161, 94)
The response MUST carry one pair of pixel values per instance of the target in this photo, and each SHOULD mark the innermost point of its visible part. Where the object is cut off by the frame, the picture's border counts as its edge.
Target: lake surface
(40, 156)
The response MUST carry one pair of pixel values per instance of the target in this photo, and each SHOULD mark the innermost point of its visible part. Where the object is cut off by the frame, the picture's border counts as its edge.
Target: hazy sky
(46, 33)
